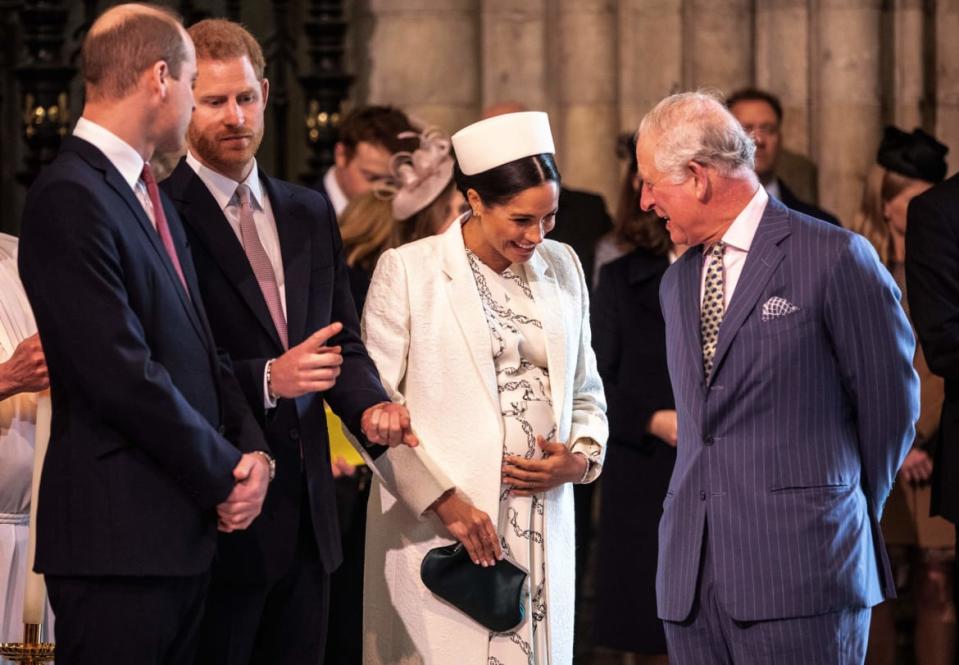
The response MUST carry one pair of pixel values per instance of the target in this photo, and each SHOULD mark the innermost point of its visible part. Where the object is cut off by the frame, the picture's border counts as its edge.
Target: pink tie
(260, 263)
(159, 218)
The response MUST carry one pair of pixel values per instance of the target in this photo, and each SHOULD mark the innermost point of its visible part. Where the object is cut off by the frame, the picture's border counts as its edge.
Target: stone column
(782, 64)
(650, 56)
(908, 84)
(848, 107)
(782, 67)
(514, 53)
(947, 78)
(718, 43)
(586, 69)
(422, 56)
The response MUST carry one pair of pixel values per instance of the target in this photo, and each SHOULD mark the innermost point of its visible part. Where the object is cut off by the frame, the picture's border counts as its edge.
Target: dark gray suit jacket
(790, 450)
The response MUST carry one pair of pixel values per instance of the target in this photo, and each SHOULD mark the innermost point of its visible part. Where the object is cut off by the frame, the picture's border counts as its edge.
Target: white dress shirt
(738, 238)
(772, 188)
(121, 154)
(336, 195)
(223, 190)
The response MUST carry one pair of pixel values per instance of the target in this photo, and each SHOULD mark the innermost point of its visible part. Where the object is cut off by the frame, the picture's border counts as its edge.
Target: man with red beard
(271, 268)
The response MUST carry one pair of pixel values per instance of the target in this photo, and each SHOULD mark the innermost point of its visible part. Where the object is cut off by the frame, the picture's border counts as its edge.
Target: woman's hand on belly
(526, 477)
(470, 526)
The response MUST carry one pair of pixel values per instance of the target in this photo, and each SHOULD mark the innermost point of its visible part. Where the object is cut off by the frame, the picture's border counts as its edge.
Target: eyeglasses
(764, 130)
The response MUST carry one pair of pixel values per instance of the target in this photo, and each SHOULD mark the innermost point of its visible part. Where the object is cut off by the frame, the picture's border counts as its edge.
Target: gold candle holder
(31, 651)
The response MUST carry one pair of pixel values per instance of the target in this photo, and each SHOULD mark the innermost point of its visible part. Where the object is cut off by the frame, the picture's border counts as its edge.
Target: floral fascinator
(418, 177)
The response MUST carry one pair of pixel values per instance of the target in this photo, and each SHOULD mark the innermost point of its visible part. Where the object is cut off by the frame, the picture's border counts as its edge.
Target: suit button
(702, 496)
(294, 434)
(709, 440)
(222, 430)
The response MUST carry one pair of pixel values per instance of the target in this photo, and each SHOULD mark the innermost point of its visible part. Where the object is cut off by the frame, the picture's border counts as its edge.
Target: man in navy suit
(140, 469)
(270, 265)
(791, 364)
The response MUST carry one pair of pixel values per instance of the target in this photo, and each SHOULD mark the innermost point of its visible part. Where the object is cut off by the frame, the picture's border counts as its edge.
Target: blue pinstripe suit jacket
(791, 448)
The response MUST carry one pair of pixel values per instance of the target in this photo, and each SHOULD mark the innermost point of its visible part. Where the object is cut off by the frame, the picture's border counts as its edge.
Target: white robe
(17, 427)
(424, 327)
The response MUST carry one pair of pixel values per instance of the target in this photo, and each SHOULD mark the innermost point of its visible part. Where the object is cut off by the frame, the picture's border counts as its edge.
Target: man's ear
(701, 184)
(265, 90)
(158, 78)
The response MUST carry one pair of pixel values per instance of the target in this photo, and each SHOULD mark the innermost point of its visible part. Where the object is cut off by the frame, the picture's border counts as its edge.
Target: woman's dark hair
(633, 227)
(498, 185)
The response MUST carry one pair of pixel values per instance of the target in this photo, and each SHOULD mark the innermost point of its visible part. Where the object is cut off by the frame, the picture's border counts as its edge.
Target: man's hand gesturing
(310, 366)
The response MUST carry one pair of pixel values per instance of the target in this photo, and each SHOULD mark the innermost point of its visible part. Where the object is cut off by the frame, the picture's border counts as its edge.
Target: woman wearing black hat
(912, 163)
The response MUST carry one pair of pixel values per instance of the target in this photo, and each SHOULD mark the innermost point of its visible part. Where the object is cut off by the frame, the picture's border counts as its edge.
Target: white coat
(425, 329)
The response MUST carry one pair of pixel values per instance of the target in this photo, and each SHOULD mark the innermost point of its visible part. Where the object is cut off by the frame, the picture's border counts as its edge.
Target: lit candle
(35, 592)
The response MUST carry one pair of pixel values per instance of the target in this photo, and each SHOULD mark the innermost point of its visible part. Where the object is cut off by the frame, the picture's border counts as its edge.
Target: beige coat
(424, 327)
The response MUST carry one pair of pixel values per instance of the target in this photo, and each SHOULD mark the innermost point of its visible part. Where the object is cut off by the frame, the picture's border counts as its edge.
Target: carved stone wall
(843, 69)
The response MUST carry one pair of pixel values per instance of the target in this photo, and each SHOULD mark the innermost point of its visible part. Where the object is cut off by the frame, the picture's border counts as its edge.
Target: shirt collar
(333, 191)
(222, 187)
(121, 154)
(741, 232)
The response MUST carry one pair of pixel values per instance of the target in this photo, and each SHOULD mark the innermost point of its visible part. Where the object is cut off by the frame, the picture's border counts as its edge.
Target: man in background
(761, 115)
(368, 137)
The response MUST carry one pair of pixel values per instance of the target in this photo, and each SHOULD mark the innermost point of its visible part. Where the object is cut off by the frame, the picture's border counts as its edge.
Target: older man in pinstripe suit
(791, 363)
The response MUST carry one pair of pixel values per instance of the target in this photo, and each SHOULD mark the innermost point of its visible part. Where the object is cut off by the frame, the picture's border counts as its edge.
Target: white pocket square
(777, 307)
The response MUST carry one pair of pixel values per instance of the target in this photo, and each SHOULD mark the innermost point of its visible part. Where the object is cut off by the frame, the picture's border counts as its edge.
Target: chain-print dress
(522, 377)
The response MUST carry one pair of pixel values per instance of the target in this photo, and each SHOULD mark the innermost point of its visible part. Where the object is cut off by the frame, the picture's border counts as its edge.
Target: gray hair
(697, 127)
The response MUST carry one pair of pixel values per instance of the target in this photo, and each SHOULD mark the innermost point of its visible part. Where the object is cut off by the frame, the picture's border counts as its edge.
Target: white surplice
(17, 429)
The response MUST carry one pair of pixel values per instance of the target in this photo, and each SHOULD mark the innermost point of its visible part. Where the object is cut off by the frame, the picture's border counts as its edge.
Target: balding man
(139, 472)
(791, 363)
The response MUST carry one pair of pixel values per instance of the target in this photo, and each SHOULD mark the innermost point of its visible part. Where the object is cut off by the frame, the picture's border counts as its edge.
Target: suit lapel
(201, 211)
(690, 278)
(295, 249)
(468, 309)
(122, 188)
(761, 261)
(549, 306)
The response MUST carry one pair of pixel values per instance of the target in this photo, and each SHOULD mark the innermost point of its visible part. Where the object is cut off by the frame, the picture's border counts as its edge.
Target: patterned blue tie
(714, 307)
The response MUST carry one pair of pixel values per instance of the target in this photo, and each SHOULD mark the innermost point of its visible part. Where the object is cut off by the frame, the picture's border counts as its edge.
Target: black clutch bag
(493, 597)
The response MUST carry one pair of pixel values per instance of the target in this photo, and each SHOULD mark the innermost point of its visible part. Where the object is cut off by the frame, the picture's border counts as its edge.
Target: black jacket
(317, 294)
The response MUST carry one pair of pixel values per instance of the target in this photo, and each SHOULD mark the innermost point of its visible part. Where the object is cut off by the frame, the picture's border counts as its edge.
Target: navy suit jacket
(791, 448)
(317, 293)
(137, 460)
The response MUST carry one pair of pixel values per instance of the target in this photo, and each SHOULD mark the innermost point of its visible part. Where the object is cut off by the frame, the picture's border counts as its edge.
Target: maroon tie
(159, 218)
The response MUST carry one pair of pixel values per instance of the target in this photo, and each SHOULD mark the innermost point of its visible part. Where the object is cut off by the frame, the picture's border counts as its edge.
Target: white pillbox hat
(502, 139)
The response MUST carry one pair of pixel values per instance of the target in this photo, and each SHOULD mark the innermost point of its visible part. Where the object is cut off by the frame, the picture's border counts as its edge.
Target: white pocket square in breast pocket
(777, 307)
